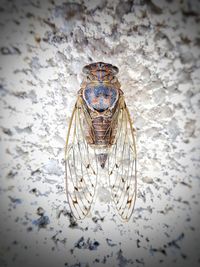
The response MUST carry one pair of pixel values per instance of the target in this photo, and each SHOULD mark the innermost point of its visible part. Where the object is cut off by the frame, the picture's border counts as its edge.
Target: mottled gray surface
(43, 47)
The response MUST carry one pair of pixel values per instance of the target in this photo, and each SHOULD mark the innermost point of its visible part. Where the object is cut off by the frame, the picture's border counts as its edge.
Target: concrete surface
(43, 47)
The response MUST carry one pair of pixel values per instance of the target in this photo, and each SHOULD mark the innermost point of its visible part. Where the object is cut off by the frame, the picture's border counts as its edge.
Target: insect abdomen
(101, 134)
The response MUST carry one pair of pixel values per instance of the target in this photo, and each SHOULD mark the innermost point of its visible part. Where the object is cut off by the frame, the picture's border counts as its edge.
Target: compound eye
(115, 70)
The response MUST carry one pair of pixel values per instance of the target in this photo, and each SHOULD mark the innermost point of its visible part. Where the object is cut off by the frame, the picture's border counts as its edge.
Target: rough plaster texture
(43, 47)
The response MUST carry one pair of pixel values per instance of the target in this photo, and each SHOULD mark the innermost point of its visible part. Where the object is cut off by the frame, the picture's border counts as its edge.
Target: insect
(100, 135)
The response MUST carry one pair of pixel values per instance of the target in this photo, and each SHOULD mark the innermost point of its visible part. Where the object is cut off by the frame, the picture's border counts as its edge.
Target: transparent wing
(122, 163)
(80, 164)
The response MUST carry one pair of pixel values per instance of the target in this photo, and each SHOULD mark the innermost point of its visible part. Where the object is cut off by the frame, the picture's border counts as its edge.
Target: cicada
(100, 136)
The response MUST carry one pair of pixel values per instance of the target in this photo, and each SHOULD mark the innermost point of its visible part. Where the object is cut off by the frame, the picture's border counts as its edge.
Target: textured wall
(43, 47)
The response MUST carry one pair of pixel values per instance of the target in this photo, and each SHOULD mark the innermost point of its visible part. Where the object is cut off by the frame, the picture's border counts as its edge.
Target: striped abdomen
(101, 135)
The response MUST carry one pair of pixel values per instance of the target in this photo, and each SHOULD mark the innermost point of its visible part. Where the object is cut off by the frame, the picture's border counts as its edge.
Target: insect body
(100, 134)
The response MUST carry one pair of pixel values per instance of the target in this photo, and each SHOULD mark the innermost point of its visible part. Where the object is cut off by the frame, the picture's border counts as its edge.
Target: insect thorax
(100, 89)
